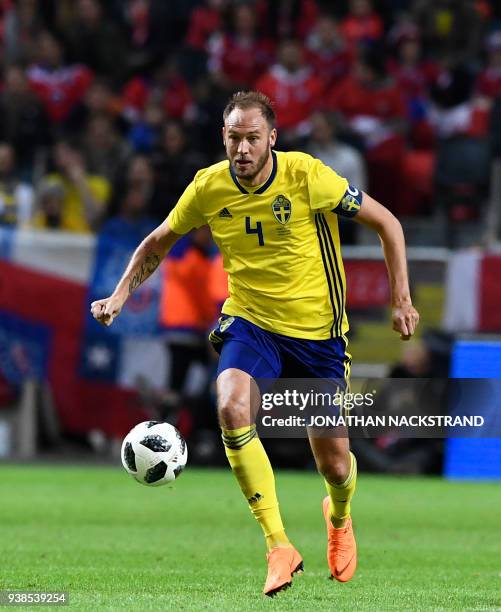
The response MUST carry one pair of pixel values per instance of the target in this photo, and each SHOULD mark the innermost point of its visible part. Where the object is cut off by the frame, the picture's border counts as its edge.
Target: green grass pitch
(424, 544)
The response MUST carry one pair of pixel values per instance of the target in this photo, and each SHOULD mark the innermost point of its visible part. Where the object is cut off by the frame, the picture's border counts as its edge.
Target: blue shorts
(264, 354)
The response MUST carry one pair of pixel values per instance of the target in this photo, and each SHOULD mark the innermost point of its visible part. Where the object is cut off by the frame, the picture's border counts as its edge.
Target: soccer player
(274, 216)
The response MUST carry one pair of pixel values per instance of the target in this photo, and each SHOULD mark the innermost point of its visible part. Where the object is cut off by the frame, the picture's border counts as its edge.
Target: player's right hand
(106, 310)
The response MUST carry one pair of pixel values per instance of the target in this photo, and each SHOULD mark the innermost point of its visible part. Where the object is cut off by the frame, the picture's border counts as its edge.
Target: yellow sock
(341, 495)
(254, 473)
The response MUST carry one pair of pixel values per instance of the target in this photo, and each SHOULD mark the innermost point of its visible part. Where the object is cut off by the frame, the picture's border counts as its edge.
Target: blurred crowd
(109, 108)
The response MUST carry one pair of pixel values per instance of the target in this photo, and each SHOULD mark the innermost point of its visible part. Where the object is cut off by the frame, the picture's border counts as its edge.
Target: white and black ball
(154, 453)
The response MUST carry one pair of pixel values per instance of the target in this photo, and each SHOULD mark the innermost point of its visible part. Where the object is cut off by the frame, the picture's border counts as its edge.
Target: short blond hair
(251, 99)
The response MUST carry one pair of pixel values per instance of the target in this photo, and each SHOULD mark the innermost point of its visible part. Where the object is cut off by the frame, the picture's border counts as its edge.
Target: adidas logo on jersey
(225, 214)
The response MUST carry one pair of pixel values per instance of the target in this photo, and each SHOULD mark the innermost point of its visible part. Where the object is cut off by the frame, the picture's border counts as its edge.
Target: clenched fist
(106, 310)
(405, 320)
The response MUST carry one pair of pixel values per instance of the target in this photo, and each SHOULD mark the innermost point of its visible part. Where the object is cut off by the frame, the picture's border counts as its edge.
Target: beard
(248, 174)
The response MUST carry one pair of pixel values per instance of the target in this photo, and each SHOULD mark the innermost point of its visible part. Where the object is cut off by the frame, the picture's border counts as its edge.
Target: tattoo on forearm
(149, 265)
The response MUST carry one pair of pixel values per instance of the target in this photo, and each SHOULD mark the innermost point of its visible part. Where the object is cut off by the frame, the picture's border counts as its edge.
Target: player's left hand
(405, 320)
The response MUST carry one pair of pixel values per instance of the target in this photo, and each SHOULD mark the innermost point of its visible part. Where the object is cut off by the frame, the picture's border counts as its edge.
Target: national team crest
(282, 209)
(226, 323)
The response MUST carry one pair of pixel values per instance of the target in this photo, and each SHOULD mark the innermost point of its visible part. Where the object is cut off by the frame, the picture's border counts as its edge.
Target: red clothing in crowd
(176, 96)
(204, 21)
(414, 81)
(295, 95)
(241, 60)
(279, 19)
(330, 65)
(370, 112)
(352, 98)
(61, 89)
(358, 29)
(489, 83)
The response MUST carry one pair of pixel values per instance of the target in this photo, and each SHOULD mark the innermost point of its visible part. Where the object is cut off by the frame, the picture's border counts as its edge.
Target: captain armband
(350, 203)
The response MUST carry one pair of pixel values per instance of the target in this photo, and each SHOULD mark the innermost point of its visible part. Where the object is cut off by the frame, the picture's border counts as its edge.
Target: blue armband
(350, 203)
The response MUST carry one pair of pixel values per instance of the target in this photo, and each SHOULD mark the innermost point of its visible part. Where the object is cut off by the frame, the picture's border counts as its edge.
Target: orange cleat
(341, 547)
(283, 563)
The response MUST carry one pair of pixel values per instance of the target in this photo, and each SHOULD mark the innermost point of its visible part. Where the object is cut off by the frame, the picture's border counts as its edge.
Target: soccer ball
(154, 453)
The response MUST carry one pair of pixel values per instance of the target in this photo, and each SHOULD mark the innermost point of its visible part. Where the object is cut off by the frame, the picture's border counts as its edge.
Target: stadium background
(108, 109)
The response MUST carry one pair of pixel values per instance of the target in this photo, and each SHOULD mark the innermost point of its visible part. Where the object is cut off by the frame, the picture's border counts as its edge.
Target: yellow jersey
(279, 242)
(73, 213)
